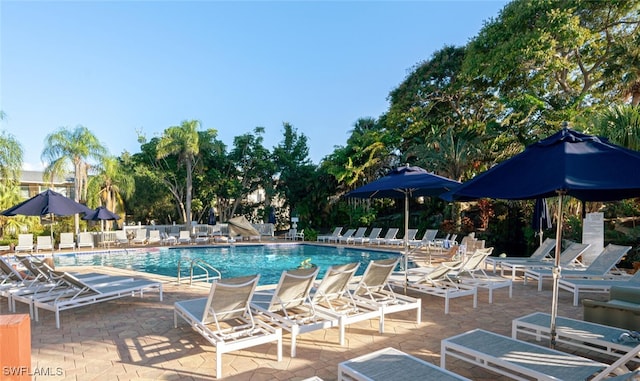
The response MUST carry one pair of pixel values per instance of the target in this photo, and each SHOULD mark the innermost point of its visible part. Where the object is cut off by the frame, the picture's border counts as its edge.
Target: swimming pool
(269, 259)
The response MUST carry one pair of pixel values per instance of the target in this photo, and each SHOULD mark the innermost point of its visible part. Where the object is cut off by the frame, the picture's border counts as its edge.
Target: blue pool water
(269, 260)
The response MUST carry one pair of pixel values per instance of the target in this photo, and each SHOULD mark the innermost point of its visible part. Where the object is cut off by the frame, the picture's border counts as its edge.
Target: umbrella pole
(406, 240)
(556, 273)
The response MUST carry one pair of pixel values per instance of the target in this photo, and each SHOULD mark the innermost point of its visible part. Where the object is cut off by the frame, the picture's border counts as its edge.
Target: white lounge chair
(374, 289)
(289, 306)
(599, 268)
(393, 364)
(324, 238)
(25, 243)
(168, 239)
(576, 286)
(332, 296)
(350, 239)
(43, 242)
(472, 273)
(228, 302)
(542, 252)
(121, 238)
(185, 237)
(141, 237)
(84, 293)
(522, 360)
(436, 282)
(85, 239)
(154, 237)
(373, 234)
(428, 240)
(389, 235)
(346, 234)
(578, 334)
(411, 235)
(568, 260)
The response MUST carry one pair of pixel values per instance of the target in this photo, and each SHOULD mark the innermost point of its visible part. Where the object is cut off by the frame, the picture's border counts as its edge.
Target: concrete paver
(134, 338)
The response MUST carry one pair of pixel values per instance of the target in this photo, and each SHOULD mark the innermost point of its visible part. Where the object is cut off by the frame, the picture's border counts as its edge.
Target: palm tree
(10, 157)
(183, 141)
(621, 124)
(74, 147)
(111, 185)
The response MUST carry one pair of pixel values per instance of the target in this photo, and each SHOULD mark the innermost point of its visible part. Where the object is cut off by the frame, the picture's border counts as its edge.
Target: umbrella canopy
(568, 162)
(46, 203)
(405, 182)
(586, 167)
(101, 213)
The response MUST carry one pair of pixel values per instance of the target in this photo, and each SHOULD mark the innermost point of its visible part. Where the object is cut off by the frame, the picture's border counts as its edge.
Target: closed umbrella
(541, 217)
(568, 162)
(47, 203)
(403, 183)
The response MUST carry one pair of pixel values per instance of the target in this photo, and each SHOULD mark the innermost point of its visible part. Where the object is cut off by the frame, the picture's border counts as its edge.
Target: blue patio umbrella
(586, 167)
(212, 217)
(47, 203)
(403, 183)
(101, 213)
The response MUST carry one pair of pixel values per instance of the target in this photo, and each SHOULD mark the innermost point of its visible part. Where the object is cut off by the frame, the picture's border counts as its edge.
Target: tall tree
(11, 155)
(290, 156)
(253, 168)
(546, 60)
(182, 141)
(111, 185)
(64, 148)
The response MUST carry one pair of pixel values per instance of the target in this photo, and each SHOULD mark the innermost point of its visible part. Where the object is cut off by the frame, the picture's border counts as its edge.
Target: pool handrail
(199, 263)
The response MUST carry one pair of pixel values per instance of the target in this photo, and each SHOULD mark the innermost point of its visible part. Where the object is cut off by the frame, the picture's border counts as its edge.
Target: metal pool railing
(209, 273)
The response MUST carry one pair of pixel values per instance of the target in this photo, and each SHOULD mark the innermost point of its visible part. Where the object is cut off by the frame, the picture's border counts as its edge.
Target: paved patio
(134, 339)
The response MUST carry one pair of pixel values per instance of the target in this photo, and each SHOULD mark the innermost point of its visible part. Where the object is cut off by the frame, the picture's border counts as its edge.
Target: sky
(124, 68)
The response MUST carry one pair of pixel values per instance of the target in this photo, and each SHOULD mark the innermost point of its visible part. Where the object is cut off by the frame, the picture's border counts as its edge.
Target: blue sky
(124, 67)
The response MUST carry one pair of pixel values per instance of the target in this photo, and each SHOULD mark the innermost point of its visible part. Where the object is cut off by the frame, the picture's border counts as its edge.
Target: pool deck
(134, 338)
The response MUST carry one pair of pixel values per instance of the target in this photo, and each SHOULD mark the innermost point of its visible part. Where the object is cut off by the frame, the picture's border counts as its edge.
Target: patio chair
(346, 234)
(154, 237)
(85, 293)
(141, 237)
(290, 307)
(472, 273)
(224, 318)
(436, 282)
(66, 241)
(411, 235)
(389, 235)
(350, 239)
(568, 259)
(43, 242)
(324, 238)
(523, 360)
(168, 239)
(85, 239)
(121, 238)
(374, 289)
(332, 296)
(579, 334)
(25, 243)
(373, 234)
(185, 237)
(427, 240)
(542, 252)
(599, 268)
(393, 364)
(576, 286)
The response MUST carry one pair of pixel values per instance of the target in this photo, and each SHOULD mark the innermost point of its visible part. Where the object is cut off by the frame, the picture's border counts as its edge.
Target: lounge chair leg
(294, 333)
(218, 364)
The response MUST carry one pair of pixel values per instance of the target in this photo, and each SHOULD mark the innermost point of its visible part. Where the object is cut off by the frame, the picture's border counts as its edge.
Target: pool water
(269, 260)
